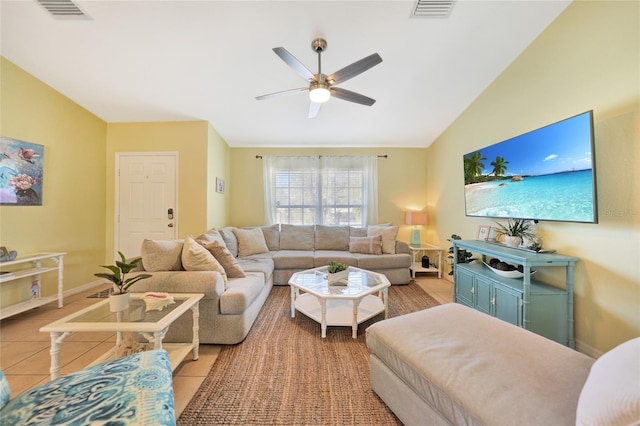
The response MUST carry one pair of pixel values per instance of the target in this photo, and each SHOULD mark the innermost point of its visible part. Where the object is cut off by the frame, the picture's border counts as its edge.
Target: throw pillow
(230, 240)
(250, 241)
(611, 394)
(210, 236)
(366, 245)
(197, 258)
(388, 233)
(161, 255)
(226, 259)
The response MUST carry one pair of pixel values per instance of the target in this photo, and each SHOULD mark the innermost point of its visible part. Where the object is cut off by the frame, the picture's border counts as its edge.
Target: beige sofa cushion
(250, 241)
(323, 257)
(272, 236)
(355, 231)
(230, 240)
(240, 293)
(293, 259)
(197, 258)
(331, 237)
(366, 245)
(226, 259)
(297, 237)
(388, 233)
(161, 255)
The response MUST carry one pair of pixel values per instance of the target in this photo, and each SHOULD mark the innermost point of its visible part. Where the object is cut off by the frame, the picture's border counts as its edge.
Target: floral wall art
(20, 173)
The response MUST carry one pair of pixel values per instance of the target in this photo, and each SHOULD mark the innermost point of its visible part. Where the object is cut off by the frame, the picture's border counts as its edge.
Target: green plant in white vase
(119, 272)
(515, 230)
(119, 297)
(335, 267)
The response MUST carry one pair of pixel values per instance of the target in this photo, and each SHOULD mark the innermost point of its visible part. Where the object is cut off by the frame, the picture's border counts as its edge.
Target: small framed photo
(483, 232)
(220, 185)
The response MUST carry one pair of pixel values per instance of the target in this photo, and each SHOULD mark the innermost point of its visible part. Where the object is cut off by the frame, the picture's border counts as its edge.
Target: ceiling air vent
(63, 9)
(432, 8)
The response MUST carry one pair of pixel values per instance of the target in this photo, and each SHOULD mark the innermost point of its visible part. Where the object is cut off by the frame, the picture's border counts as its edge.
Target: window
(321, 190)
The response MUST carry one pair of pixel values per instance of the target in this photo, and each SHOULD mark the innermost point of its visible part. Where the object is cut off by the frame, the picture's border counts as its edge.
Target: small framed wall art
(21, 165)
(483, 232)
(220, 185)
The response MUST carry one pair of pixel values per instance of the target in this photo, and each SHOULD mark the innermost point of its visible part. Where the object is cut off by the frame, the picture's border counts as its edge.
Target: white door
(146, 199)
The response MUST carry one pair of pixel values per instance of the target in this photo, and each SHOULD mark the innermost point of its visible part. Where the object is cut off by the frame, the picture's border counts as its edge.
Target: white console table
(33, 265)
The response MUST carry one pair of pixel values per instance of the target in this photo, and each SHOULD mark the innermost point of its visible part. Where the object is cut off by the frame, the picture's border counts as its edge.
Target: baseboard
(84, 287)
(587, 350)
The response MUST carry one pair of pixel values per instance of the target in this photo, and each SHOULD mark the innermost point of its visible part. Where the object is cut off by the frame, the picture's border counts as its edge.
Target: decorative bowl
(507, 274)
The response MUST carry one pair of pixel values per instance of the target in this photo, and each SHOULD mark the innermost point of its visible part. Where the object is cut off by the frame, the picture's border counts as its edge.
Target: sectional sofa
(236, 268)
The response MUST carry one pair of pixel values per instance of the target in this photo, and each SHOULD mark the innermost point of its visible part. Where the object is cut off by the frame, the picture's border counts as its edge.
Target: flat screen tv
(546, 174)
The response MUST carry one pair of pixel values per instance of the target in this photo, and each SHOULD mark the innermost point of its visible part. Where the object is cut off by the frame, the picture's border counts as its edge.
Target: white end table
(417, 251)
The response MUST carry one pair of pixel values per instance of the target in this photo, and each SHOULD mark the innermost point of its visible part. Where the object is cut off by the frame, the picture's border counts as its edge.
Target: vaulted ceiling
(132, 61)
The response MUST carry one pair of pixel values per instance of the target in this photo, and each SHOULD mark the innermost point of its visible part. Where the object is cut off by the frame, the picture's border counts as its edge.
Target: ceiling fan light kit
(319, 93)
(320, 85)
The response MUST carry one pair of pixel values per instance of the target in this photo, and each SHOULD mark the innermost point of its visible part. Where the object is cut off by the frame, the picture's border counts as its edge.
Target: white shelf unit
(435, 263)
(36, 265)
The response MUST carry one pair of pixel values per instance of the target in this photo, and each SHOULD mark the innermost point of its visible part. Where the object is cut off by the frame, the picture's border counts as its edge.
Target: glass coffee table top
(359, 281)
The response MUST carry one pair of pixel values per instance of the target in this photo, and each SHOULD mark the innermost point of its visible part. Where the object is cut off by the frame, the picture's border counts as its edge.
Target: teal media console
(530, 304)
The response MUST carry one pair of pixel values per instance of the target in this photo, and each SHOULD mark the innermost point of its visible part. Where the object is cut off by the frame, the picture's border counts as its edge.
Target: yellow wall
(196, 143)
(401, 183)
(218, 160)
(72, 217)
(589, 58)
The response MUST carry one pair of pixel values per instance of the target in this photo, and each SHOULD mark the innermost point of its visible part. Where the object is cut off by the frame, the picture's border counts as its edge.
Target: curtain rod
(259, 157)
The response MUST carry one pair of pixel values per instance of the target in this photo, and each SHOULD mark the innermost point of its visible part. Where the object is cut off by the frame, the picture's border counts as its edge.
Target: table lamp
(416, 219)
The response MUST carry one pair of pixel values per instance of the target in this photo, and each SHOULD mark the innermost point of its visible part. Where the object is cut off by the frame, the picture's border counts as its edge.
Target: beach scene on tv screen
(546, 174)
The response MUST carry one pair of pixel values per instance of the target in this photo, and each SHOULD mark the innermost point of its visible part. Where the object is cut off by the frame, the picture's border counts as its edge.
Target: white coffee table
(152, 325)
(362, 296)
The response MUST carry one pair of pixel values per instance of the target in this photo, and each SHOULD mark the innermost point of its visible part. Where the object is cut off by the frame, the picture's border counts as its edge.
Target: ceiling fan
(322, 87)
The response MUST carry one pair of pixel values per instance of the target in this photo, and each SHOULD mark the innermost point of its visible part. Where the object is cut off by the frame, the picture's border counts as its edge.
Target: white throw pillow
(197, 258)
(161, 255)
(611, 394)
(389, 234)
(250, 241)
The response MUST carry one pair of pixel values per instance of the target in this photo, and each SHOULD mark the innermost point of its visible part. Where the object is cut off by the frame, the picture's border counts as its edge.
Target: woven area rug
(284, 373)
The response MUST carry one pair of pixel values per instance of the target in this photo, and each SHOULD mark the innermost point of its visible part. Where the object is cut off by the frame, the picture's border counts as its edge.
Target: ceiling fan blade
(282, 93)
(314, 109)
(294, 63)
(354, 69)
(348, 95)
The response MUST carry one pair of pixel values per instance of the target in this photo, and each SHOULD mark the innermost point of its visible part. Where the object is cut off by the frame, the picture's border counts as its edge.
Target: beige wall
(72, 216)
(589, 58)
(402, 179)
(199, 206)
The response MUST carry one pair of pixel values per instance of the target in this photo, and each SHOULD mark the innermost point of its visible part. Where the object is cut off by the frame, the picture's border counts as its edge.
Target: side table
(421, 249)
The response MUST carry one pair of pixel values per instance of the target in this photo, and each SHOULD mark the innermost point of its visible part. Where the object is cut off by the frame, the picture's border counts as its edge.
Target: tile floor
(24, 351)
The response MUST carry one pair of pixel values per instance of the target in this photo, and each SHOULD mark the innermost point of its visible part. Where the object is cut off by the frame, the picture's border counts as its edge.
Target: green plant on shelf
(335, 267)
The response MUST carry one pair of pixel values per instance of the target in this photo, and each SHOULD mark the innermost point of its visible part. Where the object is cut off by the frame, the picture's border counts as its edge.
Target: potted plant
(337, 271)
(119, 296)
(515, 231)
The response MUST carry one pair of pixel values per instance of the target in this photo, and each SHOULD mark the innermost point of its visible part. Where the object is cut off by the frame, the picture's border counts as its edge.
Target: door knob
(170, 225)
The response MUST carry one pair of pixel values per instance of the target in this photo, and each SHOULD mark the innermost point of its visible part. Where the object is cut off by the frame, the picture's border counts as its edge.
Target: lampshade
(415, 218)
(319, 93)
